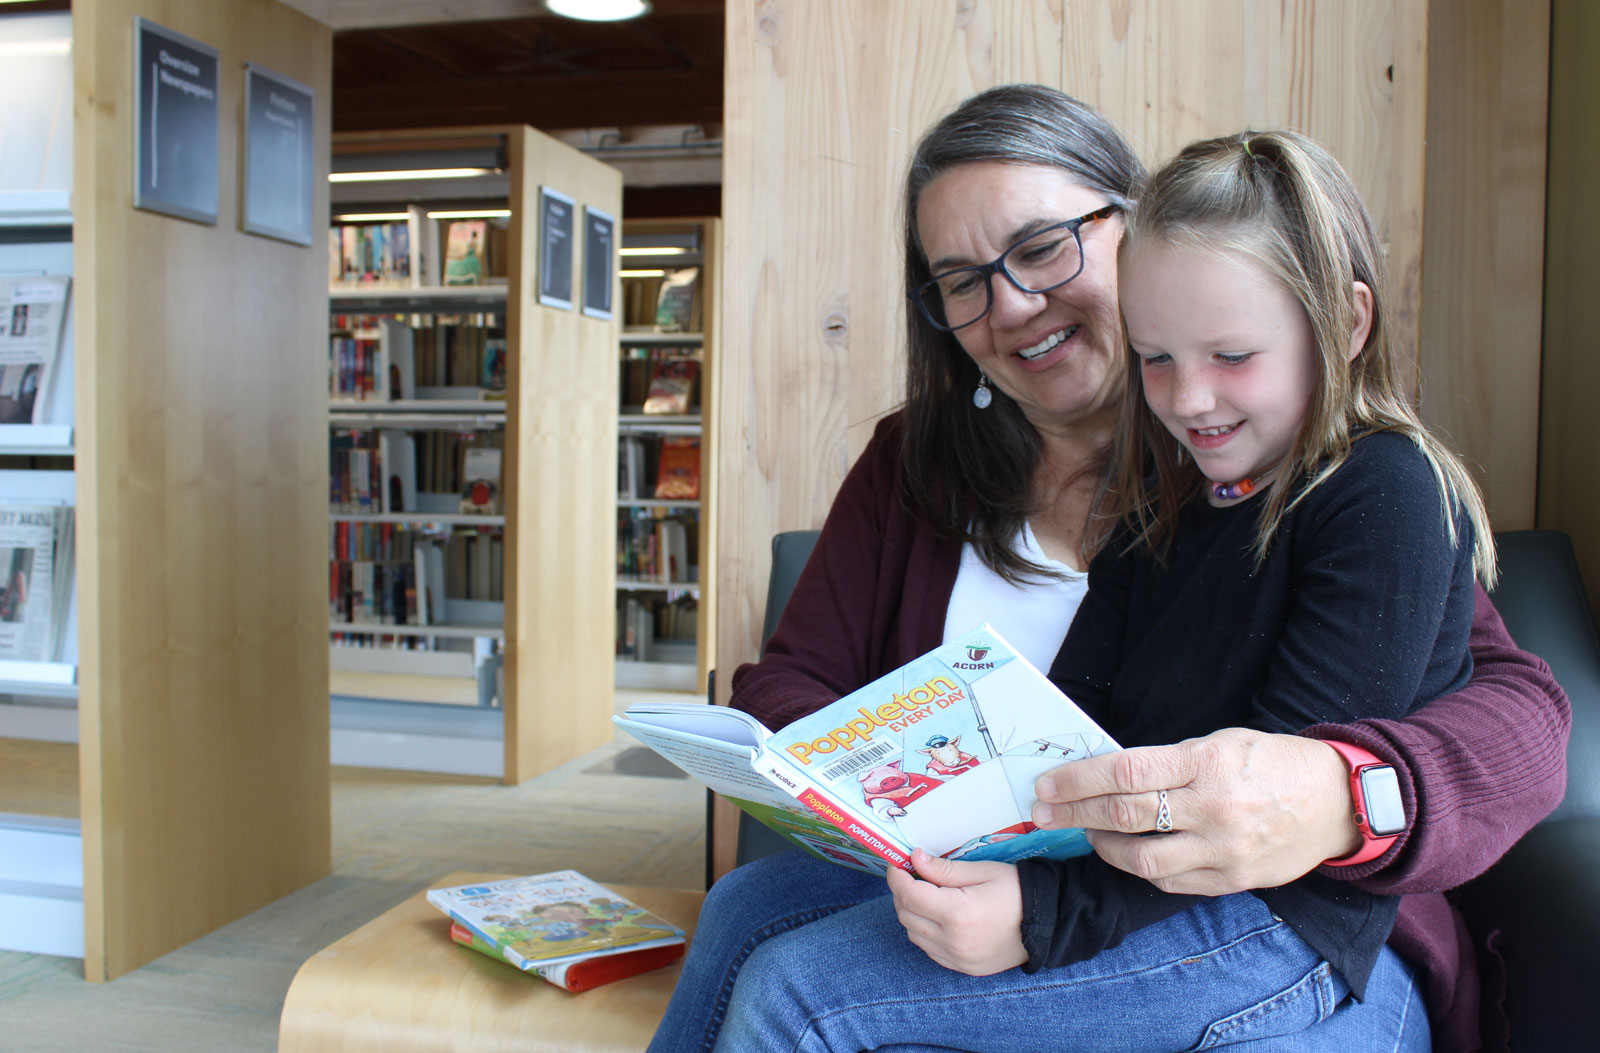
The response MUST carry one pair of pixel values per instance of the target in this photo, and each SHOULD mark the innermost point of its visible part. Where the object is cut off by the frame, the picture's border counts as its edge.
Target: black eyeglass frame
(987, 271)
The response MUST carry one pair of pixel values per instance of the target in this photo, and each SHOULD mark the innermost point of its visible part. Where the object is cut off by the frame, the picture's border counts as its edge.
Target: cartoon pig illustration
(888, 789)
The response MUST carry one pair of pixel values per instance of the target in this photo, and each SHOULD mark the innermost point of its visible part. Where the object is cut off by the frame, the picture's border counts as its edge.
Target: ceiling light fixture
(419, 173)
(598, 10)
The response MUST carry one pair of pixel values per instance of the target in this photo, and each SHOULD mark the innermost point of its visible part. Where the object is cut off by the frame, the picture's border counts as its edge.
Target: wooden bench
(398, 983)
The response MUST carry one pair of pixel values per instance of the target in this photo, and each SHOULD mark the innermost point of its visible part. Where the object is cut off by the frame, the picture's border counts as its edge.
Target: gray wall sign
(599, 249)
(175, 131)
(277, 156)
(555, 248)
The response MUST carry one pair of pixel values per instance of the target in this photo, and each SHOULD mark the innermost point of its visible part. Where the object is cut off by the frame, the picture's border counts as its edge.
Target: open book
(940, 754)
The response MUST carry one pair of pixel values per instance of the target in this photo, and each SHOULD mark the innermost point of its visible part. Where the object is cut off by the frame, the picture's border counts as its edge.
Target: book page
(723, 765)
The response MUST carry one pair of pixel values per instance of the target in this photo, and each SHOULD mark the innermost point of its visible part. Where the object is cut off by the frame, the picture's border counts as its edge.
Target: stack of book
(573, 932)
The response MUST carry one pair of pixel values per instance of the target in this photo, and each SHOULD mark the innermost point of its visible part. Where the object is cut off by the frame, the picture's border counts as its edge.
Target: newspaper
(36, 557)
(33, 313)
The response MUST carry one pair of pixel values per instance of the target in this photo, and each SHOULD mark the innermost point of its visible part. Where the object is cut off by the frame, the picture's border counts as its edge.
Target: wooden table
(399, 983)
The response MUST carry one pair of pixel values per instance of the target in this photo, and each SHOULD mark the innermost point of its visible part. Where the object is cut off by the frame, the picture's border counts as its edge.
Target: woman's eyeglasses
(1038, 263)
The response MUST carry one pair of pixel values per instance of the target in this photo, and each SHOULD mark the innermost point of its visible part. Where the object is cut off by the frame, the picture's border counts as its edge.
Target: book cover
(493, 378)
(547, 920)
(940, 754)
(671, 386)
(580, 975)
(465, 246)
(678, 471)
(480, 470)
(677, 301)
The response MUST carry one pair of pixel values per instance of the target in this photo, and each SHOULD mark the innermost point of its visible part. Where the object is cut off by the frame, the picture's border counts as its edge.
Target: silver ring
(1163, 813)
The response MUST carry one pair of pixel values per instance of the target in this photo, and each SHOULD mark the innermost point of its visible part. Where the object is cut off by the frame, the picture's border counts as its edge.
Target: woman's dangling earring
(982, 396)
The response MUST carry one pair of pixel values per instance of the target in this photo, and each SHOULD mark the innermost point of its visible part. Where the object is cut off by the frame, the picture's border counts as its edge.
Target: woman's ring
(1163, 814)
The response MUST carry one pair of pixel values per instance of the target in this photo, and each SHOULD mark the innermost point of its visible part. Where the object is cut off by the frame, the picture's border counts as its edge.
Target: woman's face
(1058, 354)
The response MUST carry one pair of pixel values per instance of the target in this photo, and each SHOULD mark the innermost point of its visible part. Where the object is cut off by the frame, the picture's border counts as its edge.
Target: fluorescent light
(598, 10)
(471, 213)
(419, 173)
(369, 217)
(655, 250)
(20, 48)
(651, 273)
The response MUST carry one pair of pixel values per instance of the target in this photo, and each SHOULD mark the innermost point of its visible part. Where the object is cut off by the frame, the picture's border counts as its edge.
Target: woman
(973, 504)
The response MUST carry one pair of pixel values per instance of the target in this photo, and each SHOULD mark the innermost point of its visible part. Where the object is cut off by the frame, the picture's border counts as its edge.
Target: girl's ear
(1363, 326)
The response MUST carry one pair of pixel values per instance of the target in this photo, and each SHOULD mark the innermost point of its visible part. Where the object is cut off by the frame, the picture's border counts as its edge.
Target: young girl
(1302, 552)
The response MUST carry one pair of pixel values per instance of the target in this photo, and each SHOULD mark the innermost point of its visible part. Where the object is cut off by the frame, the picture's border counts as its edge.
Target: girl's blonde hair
(1281, 200)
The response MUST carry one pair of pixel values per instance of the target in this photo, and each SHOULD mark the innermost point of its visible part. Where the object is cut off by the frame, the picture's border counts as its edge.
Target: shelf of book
(454, 384)
(47, 440)
(35, 208)
(653, 338)
(45, 679)
(630, 584)
(422, 518)
(442, 299)
(665, 530)
(645, 424)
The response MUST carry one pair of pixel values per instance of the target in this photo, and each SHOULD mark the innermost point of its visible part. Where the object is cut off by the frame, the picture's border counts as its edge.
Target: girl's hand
(966, 916)
(1249, 809)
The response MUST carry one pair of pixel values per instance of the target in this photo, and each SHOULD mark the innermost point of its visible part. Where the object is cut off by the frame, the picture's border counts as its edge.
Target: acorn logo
(977, 653)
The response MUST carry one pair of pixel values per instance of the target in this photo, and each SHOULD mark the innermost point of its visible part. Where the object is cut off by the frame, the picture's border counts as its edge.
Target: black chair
(790, 551)
(1541, 903)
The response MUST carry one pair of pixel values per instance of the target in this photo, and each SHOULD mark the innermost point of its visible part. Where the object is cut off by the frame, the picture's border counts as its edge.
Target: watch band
(1372, 845)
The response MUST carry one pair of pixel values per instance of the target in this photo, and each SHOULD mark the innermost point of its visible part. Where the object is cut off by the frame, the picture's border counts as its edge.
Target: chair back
(1540, 595)
(790, 551)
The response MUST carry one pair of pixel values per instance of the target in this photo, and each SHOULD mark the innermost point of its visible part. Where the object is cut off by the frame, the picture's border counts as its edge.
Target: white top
(1032, 617)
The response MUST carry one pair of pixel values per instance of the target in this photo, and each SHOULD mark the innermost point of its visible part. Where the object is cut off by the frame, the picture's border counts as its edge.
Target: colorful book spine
(580, 976)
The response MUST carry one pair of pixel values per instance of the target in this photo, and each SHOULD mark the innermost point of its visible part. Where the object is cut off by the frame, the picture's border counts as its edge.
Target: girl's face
(1057, 353)
(1227, 354)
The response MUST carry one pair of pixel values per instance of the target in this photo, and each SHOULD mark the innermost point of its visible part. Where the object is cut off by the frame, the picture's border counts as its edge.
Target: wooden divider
(1569, 443)
(560, 478)
(202, 475)
(825, 101)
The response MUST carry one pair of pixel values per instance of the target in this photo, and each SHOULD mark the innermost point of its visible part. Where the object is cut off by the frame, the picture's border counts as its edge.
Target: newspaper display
(36, 555)
(33, 313)
(941, 754)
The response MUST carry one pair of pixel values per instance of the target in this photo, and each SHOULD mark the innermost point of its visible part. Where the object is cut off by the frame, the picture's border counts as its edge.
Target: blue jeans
(797, 955)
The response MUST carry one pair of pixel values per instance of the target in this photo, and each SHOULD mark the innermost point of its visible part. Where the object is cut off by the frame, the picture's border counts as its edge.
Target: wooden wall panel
(202, 489)
(825, 100)
(1569, 443)
(1483, 274)
(560, 481)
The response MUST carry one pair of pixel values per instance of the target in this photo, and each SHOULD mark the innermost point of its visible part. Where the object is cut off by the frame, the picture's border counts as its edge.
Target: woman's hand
(966, 916)
(1249, 809)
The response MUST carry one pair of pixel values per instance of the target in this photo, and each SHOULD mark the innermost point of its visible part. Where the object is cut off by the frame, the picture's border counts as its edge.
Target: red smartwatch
(1380, 813)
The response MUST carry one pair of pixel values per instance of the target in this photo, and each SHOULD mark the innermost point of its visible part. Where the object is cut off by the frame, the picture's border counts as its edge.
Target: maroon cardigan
(1477, 768)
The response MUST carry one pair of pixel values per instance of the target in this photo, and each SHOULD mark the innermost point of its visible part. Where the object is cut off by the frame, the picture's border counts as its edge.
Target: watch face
(1380, 788)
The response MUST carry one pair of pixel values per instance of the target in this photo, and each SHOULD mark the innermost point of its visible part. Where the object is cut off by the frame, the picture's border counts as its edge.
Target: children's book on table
(941, 754)
(572, 931)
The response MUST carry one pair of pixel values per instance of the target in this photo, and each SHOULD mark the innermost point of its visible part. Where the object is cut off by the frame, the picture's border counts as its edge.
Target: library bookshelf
(533, 642)
(666, 596)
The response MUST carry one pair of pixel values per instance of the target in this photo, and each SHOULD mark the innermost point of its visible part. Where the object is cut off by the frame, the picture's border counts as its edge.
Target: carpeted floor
(617, 815)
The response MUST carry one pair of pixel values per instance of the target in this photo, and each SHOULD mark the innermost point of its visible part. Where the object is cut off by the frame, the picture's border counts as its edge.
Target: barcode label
(861, 758)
